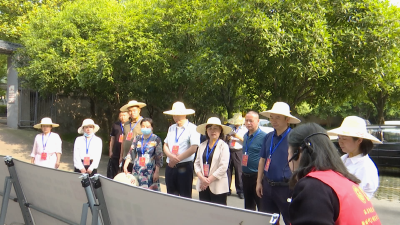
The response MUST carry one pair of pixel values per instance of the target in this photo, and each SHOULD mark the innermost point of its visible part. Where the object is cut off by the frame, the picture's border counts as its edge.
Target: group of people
(295, 172)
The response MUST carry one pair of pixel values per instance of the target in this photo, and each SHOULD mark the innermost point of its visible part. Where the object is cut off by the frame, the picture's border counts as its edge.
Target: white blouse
(95, 147)
(364, 169)
(50, 144)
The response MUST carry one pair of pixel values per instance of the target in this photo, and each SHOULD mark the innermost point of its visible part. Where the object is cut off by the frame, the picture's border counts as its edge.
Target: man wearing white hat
(273, 172)
(355, 140)
(235, 142)
(131, 128)
(179, 146)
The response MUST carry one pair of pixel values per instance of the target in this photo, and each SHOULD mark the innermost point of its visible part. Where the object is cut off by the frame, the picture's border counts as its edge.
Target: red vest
(355, 206)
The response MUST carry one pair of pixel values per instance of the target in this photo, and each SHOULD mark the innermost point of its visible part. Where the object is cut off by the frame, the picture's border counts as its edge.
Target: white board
(133, 205)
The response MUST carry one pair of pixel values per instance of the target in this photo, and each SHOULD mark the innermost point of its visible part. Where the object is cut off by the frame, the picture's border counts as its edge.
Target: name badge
(121, 138)
(175, 149)
(206, 168)
(86, 161)
(142, 161)
(266, 168)
(129, 136)
(245, 158)
(43, 156)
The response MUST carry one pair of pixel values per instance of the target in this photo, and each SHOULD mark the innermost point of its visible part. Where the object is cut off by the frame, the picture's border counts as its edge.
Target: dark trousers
(179, 180)
(113, 168)
(208, 196)
(274, 200)
(251, 200)
(86, 167)
(235, 163)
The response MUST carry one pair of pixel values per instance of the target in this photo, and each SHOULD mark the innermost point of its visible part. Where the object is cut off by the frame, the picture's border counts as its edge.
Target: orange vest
(355, 206)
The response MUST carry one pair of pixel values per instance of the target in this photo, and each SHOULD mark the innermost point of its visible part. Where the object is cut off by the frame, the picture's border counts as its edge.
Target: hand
(156, 176)
(126, 169)
(174, 159)
(32, 160)
(259, 190)
(57, 164)
(83, 170)
(204, 183)
(235, 135)
(89, 171)
(120, 160)
(171, 164)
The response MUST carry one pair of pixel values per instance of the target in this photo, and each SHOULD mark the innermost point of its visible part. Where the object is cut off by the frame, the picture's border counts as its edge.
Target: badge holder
(175, 149)
(233, 142)
(121, 138)
(245, 158)
(86, 161)
(129, 136)
(142, 161)
(268, 162)
(206, 168)
(43, 156)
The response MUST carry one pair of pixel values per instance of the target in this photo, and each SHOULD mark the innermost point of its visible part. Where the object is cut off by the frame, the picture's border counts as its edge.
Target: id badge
(142, 161)
(175, 149)
(43, 156)
(206, 169)
(245, 158)
(129, 136)
(121, 138)
(266, 168)
(233, 142)
(86, 161)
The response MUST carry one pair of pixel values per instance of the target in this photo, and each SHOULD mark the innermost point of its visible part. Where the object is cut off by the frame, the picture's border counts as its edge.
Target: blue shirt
(253, 150)
(279, 168)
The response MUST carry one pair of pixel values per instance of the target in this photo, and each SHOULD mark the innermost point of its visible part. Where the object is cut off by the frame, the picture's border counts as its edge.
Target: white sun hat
(214, 121)
(179, 109)
(354, 126)
(45, 121)
(127, 179)
(281, 108)
(237, 119)
(88, 122)
(132, 103)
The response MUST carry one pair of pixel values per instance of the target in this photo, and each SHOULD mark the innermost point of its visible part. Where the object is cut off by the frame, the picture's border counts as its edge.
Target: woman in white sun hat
(47, 145)
(356, 142)
(212, 162)
(87, 148)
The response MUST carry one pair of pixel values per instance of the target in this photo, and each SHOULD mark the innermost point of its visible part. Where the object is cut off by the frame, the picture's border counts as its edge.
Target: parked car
(387, 153)
(265, 126)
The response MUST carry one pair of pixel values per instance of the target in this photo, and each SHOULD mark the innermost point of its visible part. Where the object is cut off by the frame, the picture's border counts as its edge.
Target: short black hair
(221, 135)
(365, 146)
(147, 120)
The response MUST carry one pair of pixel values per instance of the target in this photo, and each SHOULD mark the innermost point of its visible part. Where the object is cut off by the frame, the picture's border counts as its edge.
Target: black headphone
(305, 145)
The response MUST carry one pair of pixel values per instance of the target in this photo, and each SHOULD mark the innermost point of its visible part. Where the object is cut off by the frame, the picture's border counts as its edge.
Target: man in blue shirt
(273, 169)
(252, 142)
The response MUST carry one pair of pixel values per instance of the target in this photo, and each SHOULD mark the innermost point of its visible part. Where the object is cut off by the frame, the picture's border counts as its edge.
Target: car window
(386, 135)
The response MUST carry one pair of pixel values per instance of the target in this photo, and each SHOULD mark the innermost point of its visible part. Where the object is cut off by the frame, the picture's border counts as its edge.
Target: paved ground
(18, 143)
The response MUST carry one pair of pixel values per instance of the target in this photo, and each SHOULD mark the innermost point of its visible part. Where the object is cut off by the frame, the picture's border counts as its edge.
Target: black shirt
(313, 202)
(116, 131)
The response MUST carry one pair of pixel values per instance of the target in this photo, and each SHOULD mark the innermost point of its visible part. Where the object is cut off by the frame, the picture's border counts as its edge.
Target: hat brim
(180, 112)
(125, 178)
(39, 125)
(363, 135)
(127, 106)
(202, 128)
(96, 128)
(292, 120)
(236, 121)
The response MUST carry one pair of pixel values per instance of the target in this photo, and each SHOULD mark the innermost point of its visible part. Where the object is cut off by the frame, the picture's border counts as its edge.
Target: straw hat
(179, 109)
(127, 179)
(88, 122)
(215, 121)
(281, 108)
(45, 121)
(236, 119)
(354, 126)
(132, 103)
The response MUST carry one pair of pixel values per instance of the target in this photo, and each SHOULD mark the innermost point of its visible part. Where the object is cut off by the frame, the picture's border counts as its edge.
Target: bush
(3, 109)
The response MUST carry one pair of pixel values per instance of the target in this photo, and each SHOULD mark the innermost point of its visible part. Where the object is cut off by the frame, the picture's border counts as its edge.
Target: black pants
(179, 180)
(251, 200)
(87, 167)
(208, 196)
(235, 163)
(113, 168)
(274, 200)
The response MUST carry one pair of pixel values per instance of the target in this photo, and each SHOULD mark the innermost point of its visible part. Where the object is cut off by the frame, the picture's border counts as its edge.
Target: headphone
(305, 145)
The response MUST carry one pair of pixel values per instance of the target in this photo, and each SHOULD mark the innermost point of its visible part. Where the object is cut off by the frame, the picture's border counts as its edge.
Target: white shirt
(188, 136)
(53, 145)
(364, 169)
(238, 144)
(95, 149)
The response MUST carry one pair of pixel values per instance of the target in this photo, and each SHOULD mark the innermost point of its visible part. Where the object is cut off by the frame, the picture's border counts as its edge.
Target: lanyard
(87, 146)
(145, 143)
(130, 125)
(176, 132)
(44, 144)
(122, 127)
(236, 130)
(271, 151)
(247, 141)
(208, 153)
